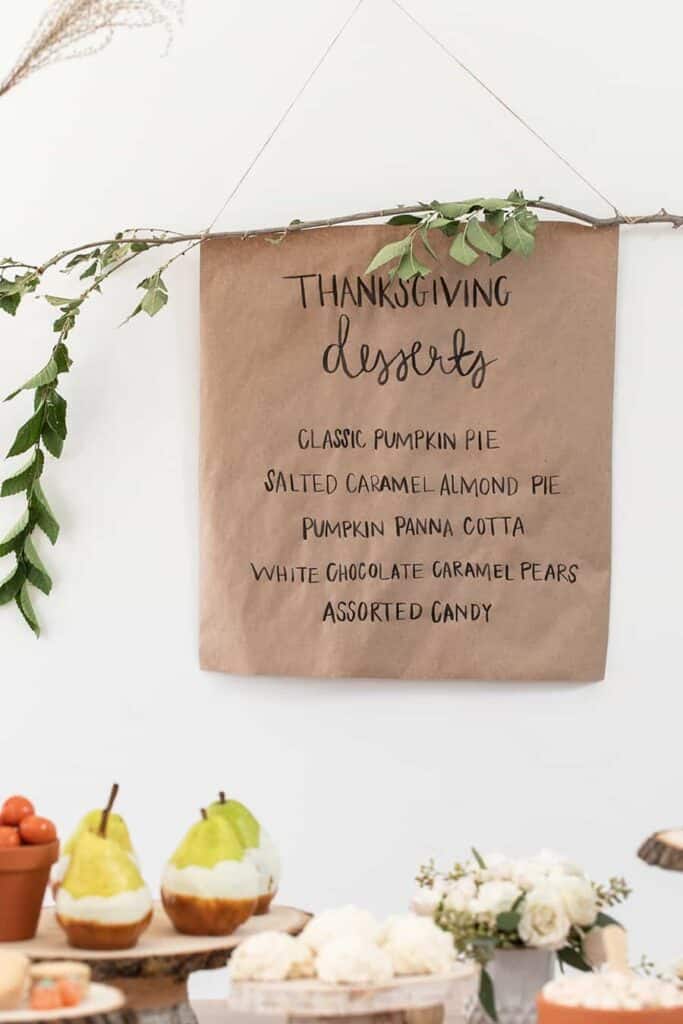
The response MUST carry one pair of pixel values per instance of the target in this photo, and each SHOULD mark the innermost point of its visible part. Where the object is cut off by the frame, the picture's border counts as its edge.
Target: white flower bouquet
(493, 902)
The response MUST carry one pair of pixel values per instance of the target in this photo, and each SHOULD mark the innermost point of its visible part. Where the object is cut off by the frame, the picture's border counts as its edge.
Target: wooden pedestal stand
(153, 976)
(409, 1000)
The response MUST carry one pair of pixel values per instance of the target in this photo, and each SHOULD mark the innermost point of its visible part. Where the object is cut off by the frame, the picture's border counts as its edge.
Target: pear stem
(204, 814)
(221, 796)
(107, 810)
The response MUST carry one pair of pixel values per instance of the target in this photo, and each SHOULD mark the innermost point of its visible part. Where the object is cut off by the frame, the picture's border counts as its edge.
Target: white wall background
(359, 780)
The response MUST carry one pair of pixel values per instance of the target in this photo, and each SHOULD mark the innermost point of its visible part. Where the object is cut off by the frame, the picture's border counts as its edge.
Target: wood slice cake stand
(100, 1001)
(411, 1000)
(153, 975)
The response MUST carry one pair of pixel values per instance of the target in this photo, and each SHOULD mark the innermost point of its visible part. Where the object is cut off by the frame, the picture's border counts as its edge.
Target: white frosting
(352, 959)
(124, 908)
(271, 956)
(613, 990)
(266, 860)
(417, 946)
(227, 880)
(343, 921)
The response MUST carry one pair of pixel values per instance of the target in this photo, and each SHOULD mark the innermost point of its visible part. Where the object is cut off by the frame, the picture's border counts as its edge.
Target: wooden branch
(172, 238)
(664, 850)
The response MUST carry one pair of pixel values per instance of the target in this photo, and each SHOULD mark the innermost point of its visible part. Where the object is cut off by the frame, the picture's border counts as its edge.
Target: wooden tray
(153, 975)
(101, 999)
(313, 998)
(161, 940)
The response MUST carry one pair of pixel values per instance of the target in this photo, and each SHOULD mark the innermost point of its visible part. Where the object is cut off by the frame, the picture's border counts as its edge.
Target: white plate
(100, 999)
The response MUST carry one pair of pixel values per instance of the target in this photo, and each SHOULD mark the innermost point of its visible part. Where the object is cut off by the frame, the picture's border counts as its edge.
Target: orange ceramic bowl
(553, 1013)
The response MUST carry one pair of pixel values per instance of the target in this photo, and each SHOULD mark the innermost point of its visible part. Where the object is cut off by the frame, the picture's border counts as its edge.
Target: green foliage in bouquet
(540, 903)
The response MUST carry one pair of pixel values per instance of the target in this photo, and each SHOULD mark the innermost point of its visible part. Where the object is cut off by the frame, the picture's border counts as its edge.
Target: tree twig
(662, 216)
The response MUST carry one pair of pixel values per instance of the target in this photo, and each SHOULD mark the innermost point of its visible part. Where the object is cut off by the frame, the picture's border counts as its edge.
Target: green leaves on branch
(492, 227)
(12, 290)
(45, 430)
(155, 297)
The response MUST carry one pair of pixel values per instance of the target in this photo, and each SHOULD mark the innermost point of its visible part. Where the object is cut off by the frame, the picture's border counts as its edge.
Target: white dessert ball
(416, 945)
(353, 959)
(270, 956)
(334, 924)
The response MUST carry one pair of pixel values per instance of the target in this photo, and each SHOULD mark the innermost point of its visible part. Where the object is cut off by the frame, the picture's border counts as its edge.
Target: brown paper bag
(406, 480)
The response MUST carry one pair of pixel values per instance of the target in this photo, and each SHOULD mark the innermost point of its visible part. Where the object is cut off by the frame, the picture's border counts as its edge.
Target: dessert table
(153, 975)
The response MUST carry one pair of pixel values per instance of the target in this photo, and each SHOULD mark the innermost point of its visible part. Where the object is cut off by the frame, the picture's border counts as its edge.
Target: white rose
(553, 862)
(578, 898)
(426, 900)
(498, 867)
(494, 898)
(460, 894)
(544, 923)
(529, 873)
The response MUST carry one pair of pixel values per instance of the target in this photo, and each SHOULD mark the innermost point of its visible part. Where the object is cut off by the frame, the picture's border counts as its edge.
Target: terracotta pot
(24, 874)
(553, 1013)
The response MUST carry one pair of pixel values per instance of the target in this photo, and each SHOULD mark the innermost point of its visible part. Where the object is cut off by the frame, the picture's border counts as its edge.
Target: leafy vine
(493, 227)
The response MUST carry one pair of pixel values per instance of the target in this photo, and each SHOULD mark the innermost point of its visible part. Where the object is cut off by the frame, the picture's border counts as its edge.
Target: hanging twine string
(456, 60)
(506, 106)
(288, 109)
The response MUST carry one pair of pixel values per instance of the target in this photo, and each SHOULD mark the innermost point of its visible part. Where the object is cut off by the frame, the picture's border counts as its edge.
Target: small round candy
(15, 809)
(9, 836)
(37, 831)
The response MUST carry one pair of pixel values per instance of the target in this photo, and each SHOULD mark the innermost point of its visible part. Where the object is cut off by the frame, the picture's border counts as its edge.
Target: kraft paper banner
(406, 480)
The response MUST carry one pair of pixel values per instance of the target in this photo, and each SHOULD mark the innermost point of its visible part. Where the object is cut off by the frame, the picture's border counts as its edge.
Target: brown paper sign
(406, 480)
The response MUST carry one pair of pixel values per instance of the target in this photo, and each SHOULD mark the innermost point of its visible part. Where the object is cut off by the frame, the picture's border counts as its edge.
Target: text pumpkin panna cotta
(209, 886)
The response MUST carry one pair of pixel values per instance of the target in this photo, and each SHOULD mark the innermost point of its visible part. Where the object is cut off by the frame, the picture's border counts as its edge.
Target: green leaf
(25, 477)
(528, 220)
(487, 996)
(36, 572)
(10, 303)
(89, 271)
(138, 246)
(572, 958)
(517, 238)
(479, 859)
(454, 210)
(495, 205)
(516, 196)
(41, 513)
(478, 236)
(604, 920)
(410, 267)
(27, 435)
(12, 584)
(462, 252)
(392, 251)
(496, 218)
(80, 257)
(424, 233)
(24, 605)
(56, 414)
(155, 297)
(14, 540)
(404, 218)
(59, 362)
(55, 300)
(52, 441)
(508, 921)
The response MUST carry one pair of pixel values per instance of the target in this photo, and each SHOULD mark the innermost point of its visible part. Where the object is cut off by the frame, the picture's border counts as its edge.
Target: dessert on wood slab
(346, 963)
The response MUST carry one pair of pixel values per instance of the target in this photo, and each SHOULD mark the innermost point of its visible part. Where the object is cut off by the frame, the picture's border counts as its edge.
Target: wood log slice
(664, 849)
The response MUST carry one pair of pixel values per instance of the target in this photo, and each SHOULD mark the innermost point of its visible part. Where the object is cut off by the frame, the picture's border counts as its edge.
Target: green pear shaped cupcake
(209, 887)
(259, 847)
(102, 902)
(117, 830)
